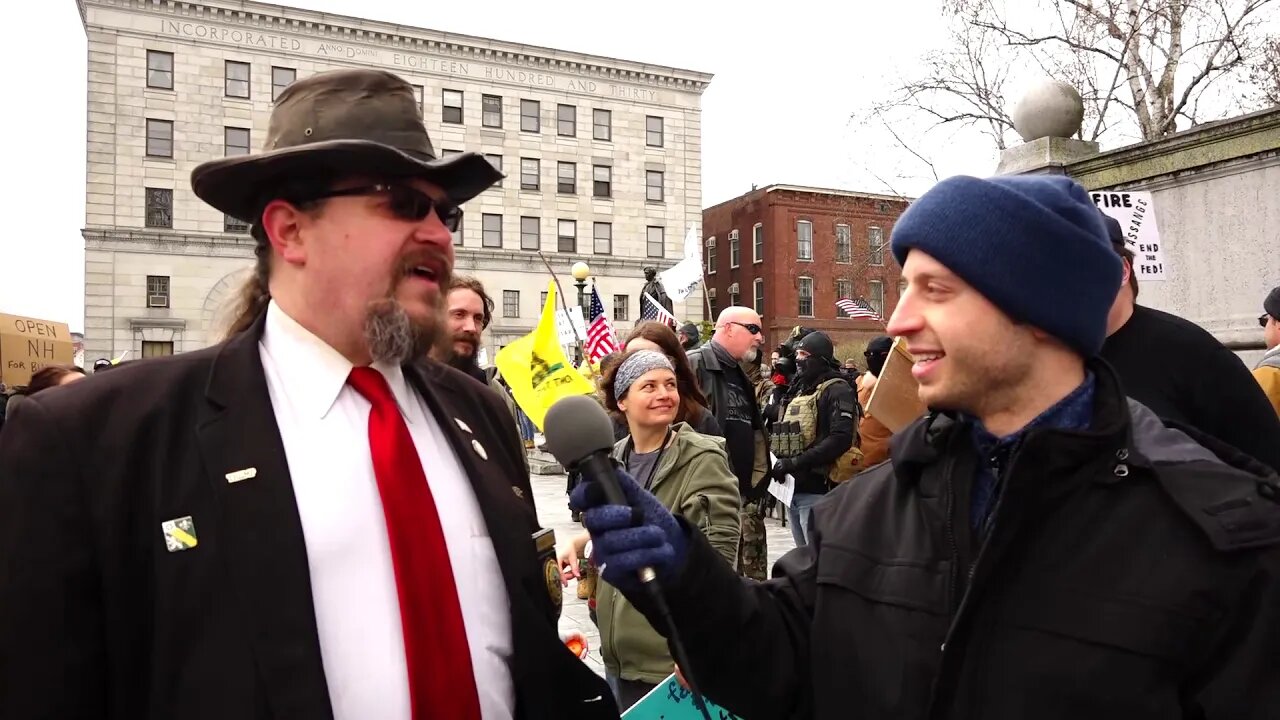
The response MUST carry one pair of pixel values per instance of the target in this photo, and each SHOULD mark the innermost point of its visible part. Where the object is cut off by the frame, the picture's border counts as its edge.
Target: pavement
(553, 511)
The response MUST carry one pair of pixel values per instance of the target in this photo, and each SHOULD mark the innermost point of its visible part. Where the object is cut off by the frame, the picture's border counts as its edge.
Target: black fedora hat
(344, 122)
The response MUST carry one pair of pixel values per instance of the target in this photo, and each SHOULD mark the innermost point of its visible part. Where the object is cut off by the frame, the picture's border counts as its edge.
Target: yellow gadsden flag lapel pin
(179, 534)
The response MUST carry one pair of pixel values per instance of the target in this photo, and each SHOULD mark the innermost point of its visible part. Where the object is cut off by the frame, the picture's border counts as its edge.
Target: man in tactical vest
(817, 428)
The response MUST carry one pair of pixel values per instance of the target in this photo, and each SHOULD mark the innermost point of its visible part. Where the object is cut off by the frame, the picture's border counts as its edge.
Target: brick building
(791, 252)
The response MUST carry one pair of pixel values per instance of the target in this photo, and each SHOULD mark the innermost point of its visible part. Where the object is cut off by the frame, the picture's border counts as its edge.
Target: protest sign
(682, 279)
(28, 344)
(569, 324)
(672, 701)
(1136, 215)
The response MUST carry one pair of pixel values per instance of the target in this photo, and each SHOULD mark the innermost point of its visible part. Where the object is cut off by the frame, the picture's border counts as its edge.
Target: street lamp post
(581, 271)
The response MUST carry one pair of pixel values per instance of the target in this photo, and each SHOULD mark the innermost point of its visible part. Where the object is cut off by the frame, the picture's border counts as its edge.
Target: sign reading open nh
(28, 344)
(671, 701)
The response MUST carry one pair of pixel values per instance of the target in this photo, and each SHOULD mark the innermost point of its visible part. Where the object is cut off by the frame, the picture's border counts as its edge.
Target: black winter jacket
(1129, 573)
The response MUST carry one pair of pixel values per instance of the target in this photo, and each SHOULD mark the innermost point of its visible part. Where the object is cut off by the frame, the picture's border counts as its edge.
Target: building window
(653, 131)
(235, 141)
(159, 138)
(844, 244)
(805, 295)
(601, 125)
(457, 234)
(621, 306)
(875, 243)
(530, 169)
(566, 120)
(159, 207)
(711, 255)
(566, 178)
(875, 296)
(157, 291)
(496, 162)
(733, 294)
(757, 243)
(157, 348)
(902, 287)
(529, 120)
(234, 225)
(602, 181)
(734, 252)
(758, 288)
(804, 240)
(602, 238)
(567, 236)
(510, 303)
(844, 290)
(451, 106)
(491, 230)
(419, 96)
(159, 70)
(281, 78)
(237, 79)
(491, 111)
(653, 185)
(542, 300)
(655, 244)
(529, 236)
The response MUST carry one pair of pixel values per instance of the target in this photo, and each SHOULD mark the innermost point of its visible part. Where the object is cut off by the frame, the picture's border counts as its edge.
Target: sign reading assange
(404, 61)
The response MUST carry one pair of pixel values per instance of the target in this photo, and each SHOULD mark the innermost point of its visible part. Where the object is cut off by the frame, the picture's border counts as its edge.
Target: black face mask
(810, 367)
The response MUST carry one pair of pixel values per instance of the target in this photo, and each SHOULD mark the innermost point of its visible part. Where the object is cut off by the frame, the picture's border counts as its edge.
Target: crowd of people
(330, 514)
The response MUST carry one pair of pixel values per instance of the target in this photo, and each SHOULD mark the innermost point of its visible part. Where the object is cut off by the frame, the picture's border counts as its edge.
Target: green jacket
(692, 479)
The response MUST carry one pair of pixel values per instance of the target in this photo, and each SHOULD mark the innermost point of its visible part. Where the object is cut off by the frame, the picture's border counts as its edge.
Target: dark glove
(782, 469)
(626, 538)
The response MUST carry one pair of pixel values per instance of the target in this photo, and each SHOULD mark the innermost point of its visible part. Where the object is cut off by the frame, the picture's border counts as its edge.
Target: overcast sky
(777, 111)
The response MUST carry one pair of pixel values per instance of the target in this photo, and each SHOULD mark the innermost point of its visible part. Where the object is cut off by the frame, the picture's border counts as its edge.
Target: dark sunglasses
(1262, 320)
(406, 202)
(752, 328)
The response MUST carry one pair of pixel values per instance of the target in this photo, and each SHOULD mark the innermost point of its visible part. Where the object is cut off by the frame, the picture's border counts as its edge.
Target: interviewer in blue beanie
(1035, 246)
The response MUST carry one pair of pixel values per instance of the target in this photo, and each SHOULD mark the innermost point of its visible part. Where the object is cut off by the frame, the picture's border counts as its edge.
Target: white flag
(681, 280)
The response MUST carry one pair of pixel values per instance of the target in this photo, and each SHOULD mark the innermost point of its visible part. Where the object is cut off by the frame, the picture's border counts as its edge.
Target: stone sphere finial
(1051, 108)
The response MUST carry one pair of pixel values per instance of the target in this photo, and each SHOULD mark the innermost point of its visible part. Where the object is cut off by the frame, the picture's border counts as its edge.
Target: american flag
(653, 311)
(858, 309)
(601, 340)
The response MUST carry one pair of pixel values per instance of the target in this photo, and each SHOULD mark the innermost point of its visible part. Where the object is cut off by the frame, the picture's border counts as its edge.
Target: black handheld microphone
(580, 436)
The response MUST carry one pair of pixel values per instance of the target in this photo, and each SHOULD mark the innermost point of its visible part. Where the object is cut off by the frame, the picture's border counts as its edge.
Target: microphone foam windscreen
(575, 427)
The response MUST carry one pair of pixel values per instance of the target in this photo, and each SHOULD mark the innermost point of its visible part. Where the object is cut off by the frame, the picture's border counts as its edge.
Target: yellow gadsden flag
(536, 368)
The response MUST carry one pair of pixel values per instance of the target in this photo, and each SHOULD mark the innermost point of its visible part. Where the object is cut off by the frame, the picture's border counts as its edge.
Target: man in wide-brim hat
(307, 520)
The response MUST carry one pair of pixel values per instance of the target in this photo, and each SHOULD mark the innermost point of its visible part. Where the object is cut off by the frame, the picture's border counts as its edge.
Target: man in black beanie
(819, 425)
(872, 433)
(1038, 546)
(1267, 372)
(1183, 373)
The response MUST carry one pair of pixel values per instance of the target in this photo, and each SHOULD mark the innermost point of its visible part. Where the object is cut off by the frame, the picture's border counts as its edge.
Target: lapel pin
(179, 534)
(465, 427)
(475, 444)
(519, 493)
(245, 474)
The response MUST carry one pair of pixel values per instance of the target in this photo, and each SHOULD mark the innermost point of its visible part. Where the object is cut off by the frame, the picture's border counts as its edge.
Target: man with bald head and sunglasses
(732, 397)
(307, 520)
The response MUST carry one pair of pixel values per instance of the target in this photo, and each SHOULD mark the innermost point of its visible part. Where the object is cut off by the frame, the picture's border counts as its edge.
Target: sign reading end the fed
(28, 344)
(1135, 212)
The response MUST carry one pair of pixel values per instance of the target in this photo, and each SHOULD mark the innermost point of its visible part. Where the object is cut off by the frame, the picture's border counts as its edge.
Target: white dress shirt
(324, 424)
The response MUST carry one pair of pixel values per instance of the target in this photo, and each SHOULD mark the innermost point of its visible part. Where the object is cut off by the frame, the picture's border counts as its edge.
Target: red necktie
(441, 681)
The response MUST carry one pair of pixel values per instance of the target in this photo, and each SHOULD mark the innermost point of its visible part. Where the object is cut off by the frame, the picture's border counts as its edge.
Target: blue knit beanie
(1035, 246)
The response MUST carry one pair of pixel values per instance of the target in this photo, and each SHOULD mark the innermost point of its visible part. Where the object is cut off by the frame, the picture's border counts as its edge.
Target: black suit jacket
(99, 620)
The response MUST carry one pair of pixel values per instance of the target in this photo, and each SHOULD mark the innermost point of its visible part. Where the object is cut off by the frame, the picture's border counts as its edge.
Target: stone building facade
(791, 252)
(602, 158)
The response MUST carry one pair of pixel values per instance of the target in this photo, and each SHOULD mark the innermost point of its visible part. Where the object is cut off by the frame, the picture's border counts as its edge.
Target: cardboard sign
(671, 701)
(1136, 215)
(28, 344)
(895, 400)
(568, 325)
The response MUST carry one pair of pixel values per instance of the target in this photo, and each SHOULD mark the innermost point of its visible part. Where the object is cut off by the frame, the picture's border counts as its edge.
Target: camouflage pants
(753, 551)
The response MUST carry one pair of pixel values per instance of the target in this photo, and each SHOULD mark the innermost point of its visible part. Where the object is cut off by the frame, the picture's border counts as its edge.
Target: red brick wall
(779, 211)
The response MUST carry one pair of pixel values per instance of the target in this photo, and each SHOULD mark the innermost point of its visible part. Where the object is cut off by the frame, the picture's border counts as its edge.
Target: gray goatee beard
(393, 337)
